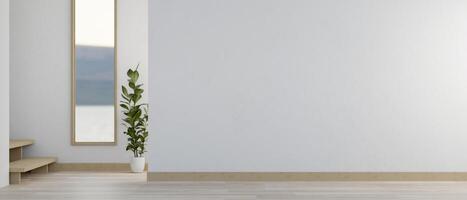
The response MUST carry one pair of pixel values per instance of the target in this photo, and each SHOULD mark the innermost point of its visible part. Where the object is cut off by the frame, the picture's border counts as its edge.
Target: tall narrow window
(94, 72)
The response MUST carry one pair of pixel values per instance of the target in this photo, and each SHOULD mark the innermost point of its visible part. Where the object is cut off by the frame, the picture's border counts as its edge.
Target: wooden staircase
(19, 165)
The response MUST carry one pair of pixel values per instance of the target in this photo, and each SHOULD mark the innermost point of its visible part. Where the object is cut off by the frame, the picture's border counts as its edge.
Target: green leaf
(129, 72)
(132, 85)
(124, 90)
(124, 106)
(125, 98)
(135, 76)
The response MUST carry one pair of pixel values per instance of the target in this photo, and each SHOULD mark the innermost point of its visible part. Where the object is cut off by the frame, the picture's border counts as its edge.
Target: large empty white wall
(4, 89)
(41, 75)
(298, 85)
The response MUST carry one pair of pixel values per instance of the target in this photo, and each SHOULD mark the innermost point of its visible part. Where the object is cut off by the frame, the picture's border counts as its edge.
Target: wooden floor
(126, 186)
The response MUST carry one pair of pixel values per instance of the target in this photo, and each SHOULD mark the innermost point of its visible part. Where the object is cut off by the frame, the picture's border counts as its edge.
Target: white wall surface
(298, 85)
(4, 87)
(41, 75)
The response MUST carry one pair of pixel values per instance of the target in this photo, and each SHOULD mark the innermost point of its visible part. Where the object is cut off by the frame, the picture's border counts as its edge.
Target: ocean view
(94, 94)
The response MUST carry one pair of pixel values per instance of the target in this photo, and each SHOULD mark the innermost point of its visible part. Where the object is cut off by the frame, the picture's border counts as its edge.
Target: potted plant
(135, 120)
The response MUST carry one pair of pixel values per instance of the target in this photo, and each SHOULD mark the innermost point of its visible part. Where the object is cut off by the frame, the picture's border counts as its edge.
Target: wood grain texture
(124, 186)
(20, 143)
(41, 170)
(16, 154)
(307, 176)
(29, 164)
(15, 177)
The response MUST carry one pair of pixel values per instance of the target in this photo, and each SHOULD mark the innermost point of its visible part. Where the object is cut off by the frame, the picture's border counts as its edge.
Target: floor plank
(116, 186)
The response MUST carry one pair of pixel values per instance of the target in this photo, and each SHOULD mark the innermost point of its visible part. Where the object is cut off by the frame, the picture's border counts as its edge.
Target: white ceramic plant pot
(137, 164)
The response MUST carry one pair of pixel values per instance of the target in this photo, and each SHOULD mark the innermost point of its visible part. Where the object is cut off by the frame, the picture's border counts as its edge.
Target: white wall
(297, 85)
(4, 87)
(41, 75)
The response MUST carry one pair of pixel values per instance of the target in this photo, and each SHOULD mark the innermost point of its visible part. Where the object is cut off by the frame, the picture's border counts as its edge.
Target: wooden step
(28, 164)
(19, 165)
(20, 143)
(34, 165)
(16, 148)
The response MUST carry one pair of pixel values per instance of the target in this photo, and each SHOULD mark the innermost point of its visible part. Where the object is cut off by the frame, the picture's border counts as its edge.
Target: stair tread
(20, 143)
(28, 164)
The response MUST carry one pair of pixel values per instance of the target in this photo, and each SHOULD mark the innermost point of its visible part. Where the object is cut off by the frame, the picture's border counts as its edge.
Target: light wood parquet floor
(127, 186)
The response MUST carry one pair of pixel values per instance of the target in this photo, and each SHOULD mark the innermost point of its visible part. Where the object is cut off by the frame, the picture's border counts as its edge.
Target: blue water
(94, 75)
